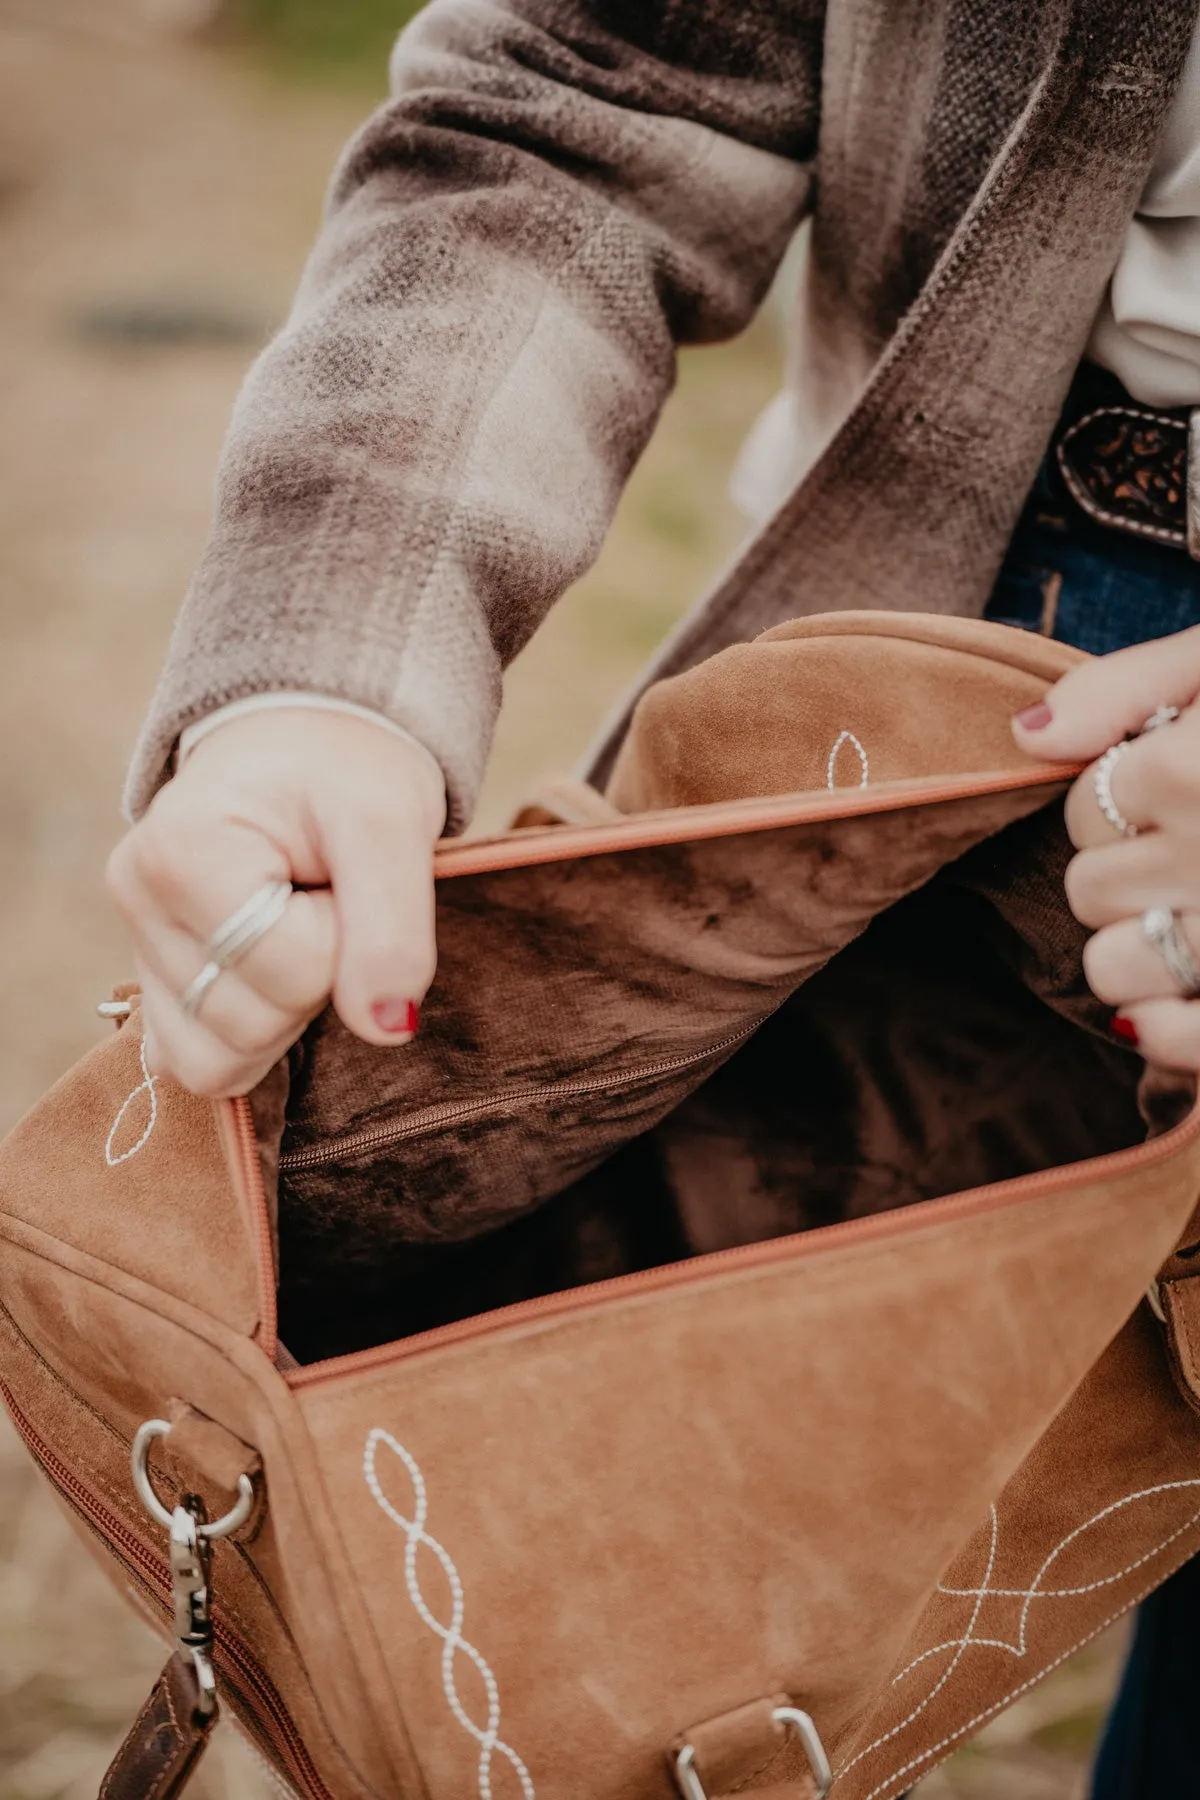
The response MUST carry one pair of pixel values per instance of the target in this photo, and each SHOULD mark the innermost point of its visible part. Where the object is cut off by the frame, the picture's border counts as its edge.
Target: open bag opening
(643, 1051)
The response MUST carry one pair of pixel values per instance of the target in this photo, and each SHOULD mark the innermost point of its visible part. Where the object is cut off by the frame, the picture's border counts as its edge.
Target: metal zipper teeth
(794, 1248)
(154, 1578)
(355, 1143)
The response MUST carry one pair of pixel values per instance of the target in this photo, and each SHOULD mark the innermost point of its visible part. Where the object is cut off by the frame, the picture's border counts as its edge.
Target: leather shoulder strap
(167, 1740)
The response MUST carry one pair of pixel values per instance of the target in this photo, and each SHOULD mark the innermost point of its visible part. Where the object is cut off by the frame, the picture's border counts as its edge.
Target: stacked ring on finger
(1102, 786)
(1162, 930)
(1163, 714)
(234, 938)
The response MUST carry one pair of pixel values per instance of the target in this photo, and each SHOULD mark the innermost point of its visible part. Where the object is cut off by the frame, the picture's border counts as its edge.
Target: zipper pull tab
(191, 1566)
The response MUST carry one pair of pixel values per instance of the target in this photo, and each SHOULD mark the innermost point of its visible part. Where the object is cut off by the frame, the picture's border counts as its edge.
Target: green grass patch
(1073, 1735)
(335, 39)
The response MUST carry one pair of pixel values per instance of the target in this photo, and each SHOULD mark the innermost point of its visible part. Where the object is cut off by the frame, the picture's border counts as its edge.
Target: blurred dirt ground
(156, 197)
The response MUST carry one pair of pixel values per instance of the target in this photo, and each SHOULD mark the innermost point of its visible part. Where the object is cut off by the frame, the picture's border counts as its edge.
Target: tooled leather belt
(1128, 466)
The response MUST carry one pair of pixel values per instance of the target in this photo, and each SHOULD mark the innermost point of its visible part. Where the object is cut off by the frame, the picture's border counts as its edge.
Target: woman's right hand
(343, 809)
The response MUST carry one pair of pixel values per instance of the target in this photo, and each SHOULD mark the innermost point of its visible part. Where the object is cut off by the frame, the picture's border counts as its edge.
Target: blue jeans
(1102, 590)
(1087, 584)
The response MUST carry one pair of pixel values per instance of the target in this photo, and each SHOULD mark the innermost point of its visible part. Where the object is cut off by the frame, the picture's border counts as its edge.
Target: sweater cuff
(446, 706)
(290, 699)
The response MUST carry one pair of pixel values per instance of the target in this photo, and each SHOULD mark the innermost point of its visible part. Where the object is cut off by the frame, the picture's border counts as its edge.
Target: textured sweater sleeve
(430, 451)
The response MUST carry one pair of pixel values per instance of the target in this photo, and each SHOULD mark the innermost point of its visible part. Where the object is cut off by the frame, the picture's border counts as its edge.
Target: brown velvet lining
(951, 1042)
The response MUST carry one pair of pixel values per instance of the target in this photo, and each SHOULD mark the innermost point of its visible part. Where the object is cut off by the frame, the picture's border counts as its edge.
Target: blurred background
(162, 164)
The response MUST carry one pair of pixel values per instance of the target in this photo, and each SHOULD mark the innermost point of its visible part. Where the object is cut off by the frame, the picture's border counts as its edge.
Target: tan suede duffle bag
(718, 1354)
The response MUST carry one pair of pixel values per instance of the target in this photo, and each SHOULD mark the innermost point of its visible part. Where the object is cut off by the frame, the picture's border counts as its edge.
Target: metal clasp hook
(190, 1537)
(191, 1560)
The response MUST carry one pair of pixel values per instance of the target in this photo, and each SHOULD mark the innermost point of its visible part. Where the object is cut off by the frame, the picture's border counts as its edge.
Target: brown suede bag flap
(836, 701)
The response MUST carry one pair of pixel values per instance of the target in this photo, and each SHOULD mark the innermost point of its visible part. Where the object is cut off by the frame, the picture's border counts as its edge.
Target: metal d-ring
(139, 1460)
(692, 1788)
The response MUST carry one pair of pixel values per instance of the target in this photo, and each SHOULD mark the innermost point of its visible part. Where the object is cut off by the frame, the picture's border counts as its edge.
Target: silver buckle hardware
(785, 1717)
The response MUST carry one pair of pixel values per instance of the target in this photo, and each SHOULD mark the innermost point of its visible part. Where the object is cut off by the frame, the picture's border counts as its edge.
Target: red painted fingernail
(1125, 1028)
(398, 1017)
(1035, 718)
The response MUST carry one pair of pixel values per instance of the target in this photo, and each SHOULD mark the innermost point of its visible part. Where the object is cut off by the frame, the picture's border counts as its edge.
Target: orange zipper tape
(728, 818)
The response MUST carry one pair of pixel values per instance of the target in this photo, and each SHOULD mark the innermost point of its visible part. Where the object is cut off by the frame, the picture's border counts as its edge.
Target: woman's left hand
(1155, 787)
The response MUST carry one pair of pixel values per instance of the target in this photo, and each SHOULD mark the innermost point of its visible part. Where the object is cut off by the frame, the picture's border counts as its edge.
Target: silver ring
(1163, 932)
(1102, 784)
(234, 938)
(139, 1461)
(239, 933)
(193, 994)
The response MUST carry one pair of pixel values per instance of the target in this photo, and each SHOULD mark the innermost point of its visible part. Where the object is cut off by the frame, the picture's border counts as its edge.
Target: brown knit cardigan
(561, 191)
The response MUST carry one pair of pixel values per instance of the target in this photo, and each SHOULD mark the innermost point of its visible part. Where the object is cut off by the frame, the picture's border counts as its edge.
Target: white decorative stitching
(989, 1712)
(845, 737)
(1035, 1591)
(1020, 1648)
(147, 1086)
(487, 1737)
(947, 1672)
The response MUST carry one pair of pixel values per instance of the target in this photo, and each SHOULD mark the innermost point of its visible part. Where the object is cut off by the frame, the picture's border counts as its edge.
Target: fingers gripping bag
(748, 1337)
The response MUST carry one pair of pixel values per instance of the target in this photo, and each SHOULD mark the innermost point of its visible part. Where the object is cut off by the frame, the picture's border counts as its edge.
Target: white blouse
(1148, 329)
